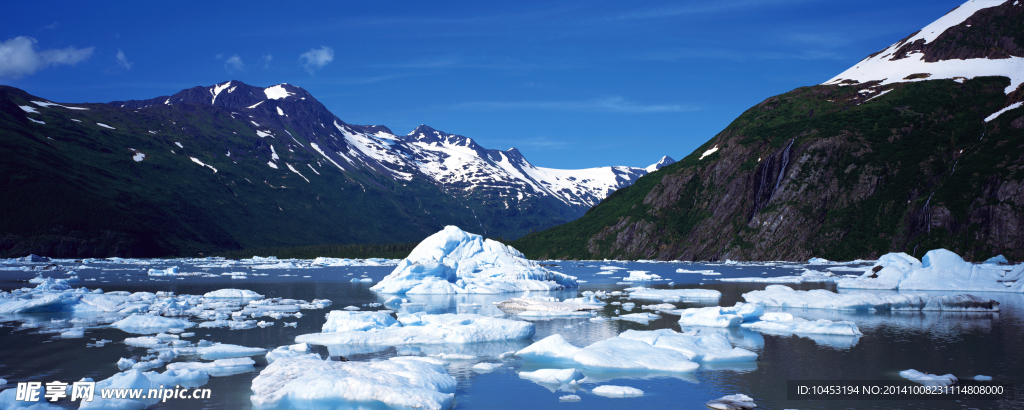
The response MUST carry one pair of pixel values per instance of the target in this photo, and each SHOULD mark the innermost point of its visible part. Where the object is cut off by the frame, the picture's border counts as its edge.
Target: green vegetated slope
(70, 187)
(826, 171)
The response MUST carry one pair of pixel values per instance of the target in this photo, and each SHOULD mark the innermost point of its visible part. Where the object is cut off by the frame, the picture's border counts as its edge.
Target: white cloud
(266, 60)
(317, 58)
(234, 64)
(123, 61)
(18, 57)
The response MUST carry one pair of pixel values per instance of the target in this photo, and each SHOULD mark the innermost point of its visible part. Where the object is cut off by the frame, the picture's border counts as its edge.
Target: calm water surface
(962, 344)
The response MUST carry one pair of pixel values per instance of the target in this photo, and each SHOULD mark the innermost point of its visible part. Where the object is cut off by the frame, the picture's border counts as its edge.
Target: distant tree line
(351, 251)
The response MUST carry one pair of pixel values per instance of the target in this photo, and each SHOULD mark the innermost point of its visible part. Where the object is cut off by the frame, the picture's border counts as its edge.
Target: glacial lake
(964, 344)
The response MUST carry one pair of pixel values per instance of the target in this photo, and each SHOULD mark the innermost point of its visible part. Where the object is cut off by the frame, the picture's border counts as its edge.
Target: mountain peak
(663, 162)
(978, 38)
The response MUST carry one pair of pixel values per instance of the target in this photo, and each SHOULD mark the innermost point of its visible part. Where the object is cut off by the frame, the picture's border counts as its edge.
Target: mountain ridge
(237, 166)
(893, 154)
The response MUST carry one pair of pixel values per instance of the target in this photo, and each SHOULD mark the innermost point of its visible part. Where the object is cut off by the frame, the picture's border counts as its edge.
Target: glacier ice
(453, 261)
(552, 376)
(732, 402)
(784, 296)
(673, 295)
(617, 391)
(928, 379)
(306, 382)
(939, 269)
(426, 329)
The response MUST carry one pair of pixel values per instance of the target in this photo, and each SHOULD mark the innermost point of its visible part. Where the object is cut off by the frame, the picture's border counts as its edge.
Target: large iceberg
(939, 269)
(785, 296)
(453, 261)
(306, 382)
(368, 329)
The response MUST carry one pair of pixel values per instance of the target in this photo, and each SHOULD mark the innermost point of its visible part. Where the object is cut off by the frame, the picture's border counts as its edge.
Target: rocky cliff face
(916, 147)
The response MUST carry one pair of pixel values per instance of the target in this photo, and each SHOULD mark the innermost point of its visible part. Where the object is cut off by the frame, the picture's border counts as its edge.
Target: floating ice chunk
(73, 333)
(928, 379)
(979, 378)
(225, 351)
(945, 270)
(704, 348)
(486, 367)
(709, 316)
(996, 260)
(547, 308)
(342, 321)
(124, 363)
(570, 398)
(452, 261)
(732, 402)
(784, 323)
(673, 294)
(617, 391)
(295, 350)
(888, 272)
(152, 364)
(552, 376)
(421, 328)
(643, 317)
(641, 276)
(400, 382)
(140, 323)
(233, 293)
(818, 261)
(551, 349)
(230, 324)
(624, 354)
(940, 269)
(784, 296)
(217, 368)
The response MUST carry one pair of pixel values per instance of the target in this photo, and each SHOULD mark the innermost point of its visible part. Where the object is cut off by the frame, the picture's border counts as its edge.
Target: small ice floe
(785, 323)
(732, 402)
(552, 376)
(672, 294)
(217, 368)
(295, 350)
(617, 391)
(928, 379)
(643, 317)
(233, 293)
(415, 328)
(720, 316)
(399, 382)
(547, 307)
(939, 269)
(453, 261)
(570, 398)
(226, 351)
(616, 353)
(73, 333)
(981, 378)
(145, 324)
(641, 276)
(784, 296)
(485, 367)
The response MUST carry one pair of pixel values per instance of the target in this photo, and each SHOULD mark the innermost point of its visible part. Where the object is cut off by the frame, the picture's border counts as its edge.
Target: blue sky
(572, 84)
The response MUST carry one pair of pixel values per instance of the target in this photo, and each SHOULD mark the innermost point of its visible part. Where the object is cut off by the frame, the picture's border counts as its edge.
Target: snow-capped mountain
(455, 162)
(973, 40)
(235, 166)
